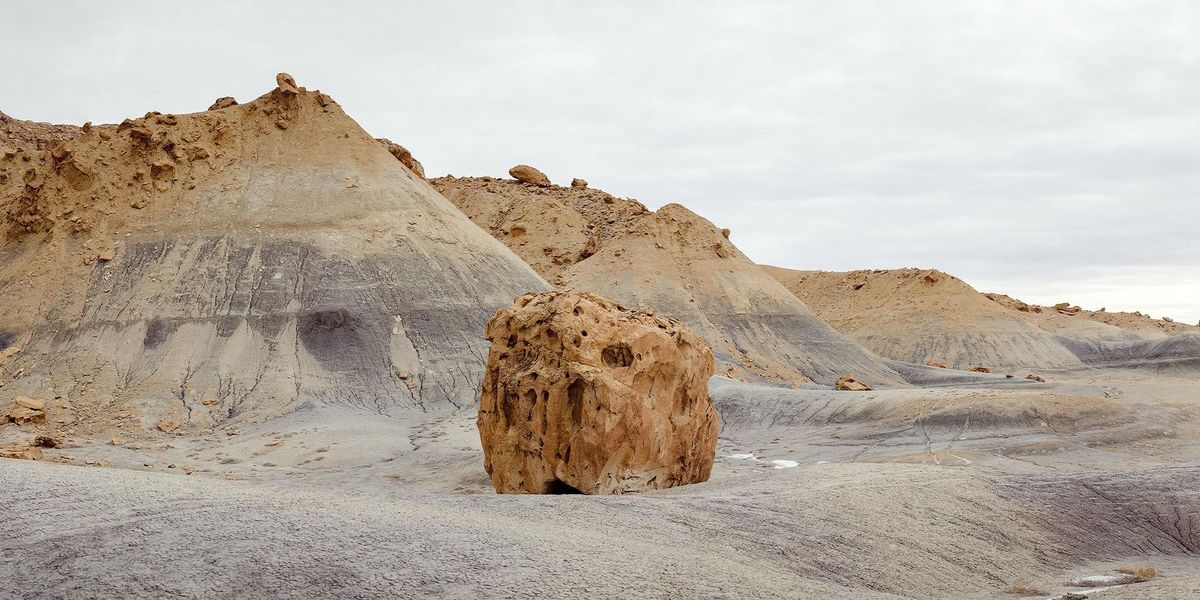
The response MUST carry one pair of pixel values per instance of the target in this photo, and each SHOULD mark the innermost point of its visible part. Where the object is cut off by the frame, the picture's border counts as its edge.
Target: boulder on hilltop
(528, 174)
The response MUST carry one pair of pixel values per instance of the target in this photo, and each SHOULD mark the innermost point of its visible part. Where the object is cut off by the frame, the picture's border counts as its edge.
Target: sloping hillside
(925, 315)
(674, 262)
(237, 264)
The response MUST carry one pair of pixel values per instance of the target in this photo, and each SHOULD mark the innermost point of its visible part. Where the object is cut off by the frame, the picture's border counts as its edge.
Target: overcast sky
(1049, 150)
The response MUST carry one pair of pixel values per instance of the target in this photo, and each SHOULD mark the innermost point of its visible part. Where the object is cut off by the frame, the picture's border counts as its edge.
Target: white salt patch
(785, 464)
(748, 456)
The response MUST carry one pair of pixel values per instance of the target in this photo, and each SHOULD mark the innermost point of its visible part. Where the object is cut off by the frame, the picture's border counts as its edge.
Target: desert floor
(947, 492)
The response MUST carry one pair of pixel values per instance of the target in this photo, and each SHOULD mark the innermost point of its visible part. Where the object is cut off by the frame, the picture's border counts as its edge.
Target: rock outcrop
(581, 395)
(847, 383)
(528, 174)
(19, 451)
(404, 156)
(287, 83)
(578, 183)
(223, 102)
(1065, 308)
(25, 411)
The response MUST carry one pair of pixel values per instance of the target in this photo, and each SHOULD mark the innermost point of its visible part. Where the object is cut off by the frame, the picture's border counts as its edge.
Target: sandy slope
(674, 262)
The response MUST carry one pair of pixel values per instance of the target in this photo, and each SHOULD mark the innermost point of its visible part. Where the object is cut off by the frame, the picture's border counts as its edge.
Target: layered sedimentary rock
(671, 261)
(582, 395)
(239, 264)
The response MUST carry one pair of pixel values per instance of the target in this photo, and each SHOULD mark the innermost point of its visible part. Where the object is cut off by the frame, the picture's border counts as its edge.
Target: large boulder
(528, 174)
(584, 396)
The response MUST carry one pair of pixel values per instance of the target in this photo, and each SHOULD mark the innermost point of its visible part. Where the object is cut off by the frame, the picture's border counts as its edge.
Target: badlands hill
(672, 261)
(917, 316)
(200, 270)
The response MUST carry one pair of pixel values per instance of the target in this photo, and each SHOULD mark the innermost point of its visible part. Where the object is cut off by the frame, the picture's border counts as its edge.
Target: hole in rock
(559, 487)
(617, 356)
(508, 407)
(575, 399)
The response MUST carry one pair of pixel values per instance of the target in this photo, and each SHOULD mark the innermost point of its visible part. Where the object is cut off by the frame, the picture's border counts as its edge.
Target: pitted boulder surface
(584, 396)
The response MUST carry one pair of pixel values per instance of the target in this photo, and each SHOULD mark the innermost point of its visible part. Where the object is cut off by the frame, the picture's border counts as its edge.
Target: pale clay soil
(905, 493)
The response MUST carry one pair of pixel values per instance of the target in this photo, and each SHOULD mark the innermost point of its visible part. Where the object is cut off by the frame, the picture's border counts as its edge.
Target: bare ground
(929, 493)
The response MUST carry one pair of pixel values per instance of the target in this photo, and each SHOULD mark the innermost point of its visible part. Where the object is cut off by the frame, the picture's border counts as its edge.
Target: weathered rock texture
(528, 174)
(848, 383)
(404, 156)
(582, 395)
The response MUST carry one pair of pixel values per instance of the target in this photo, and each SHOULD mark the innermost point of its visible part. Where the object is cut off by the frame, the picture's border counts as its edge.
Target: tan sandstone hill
(673, 262)
(192, 271)
(918, 316)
